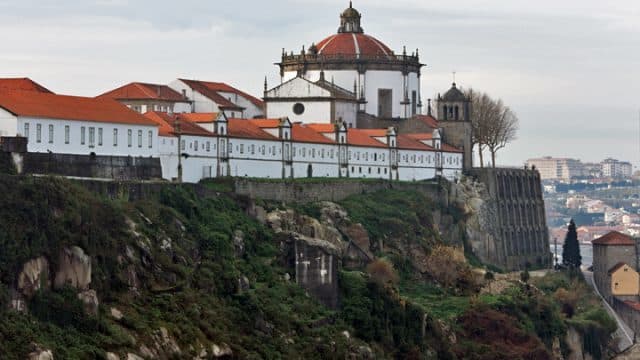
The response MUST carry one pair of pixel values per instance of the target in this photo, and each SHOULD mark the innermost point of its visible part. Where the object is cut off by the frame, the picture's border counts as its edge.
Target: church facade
(382, 83)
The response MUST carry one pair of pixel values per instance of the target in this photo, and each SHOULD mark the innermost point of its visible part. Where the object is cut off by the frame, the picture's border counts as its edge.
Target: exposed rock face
(40, 354)
(90, 300)
(318, 246)
(574, 342)
(112, 356)
(74, 269)
(34, 276)
(221, 350)
(166, 344)
(238, 242)
(131, 356)
(116, 314)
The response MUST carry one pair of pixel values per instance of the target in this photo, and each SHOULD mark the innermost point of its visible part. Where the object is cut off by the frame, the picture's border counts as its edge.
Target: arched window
(444, 110)
(456, 113)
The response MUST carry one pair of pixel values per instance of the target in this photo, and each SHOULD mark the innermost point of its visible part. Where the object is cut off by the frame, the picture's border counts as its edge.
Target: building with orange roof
(75, 125)
(608, 251)
(209, 97)
(187, 151)
(144, 97)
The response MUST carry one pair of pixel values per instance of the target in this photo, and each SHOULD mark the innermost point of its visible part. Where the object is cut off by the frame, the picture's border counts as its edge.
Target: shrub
(382, 272)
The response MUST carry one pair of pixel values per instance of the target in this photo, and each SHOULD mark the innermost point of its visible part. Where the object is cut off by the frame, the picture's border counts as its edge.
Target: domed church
(344, 74)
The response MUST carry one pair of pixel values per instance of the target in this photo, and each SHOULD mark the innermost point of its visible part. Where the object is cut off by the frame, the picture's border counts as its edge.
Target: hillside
(189, 274)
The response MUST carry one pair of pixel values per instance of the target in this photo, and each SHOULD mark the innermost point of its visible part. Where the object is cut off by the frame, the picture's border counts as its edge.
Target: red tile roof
(616, 267)
(200, 117)
(304, 133)
(421, 136)
(167, 123)
(449, 148)
(407, 143)
(212, 89)
(243, 128)
(352, 44)
(24, 84)
(360, 137)
(323, 128)
(428, 120)
(144, 91)
(44, 105)
(614, 238)
(266, 123)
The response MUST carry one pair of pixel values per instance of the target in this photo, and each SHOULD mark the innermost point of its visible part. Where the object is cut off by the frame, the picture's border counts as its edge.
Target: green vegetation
(210, 274)
(571, 248)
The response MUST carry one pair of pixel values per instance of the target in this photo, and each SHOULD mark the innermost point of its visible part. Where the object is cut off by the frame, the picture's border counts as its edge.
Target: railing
(286, 58)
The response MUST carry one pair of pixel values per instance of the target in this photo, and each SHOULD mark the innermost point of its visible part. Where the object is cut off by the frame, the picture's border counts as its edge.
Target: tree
(571, 248)
(493, 124)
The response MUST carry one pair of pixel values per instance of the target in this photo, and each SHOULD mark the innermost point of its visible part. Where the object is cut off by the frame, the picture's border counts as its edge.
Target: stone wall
(627, 313)
(330, 190)
(89, 166)
(514, 217)
(317, 271)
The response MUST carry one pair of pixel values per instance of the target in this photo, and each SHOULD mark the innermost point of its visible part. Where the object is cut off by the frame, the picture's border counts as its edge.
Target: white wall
(371, 81)
(58, 143)
(314, 112)
(348, 111)
(8, 124)
(250, 111)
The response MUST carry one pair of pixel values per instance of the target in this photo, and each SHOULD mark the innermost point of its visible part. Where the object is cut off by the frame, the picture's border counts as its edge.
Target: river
(586, 251)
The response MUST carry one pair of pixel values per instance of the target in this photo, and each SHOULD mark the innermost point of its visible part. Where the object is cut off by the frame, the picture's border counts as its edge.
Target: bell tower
(454, 117)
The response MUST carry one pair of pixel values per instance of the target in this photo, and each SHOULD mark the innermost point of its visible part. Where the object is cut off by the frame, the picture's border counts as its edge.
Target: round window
(298, 109)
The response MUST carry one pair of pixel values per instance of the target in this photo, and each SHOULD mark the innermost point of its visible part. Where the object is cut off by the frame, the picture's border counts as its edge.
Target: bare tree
(493, 124)
(502, 129)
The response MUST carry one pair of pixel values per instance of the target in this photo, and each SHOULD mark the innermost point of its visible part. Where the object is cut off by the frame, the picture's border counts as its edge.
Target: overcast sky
(569, 68)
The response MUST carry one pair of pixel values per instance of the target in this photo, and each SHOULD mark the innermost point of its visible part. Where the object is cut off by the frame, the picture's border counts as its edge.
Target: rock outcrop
(74, 269)
(34, 276)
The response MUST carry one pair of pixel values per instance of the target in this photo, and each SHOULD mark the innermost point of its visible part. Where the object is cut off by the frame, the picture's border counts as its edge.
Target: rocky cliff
(200, 274)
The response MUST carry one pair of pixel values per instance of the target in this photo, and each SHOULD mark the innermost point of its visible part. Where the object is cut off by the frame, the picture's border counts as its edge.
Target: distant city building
(616, 169)
(557, 168)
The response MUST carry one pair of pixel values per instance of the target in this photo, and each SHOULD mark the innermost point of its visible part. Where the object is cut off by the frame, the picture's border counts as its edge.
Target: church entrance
(385, 103)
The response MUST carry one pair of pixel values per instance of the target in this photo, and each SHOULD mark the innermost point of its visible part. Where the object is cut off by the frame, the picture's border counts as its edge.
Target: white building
(277, 148)
(385, 84)
(76, 125)
(302, 100)
(616, 169)
(208, 97)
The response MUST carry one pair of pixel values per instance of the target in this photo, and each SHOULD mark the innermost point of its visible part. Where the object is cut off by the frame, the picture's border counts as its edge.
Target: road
(624, 333)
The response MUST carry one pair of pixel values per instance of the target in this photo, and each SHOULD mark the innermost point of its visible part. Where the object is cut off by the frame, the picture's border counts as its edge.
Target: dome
(350, 12)
(353, 45)
(454, 94)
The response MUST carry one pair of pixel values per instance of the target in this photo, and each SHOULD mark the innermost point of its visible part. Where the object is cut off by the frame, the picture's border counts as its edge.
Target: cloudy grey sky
(569, 68)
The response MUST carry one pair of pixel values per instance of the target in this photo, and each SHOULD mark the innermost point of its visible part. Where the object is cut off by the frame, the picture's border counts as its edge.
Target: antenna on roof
(454, 78)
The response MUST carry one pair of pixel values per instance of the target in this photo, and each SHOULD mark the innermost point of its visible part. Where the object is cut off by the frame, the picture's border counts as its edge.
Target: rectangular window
(92, 137)
(183, 145)
(253, 149)
(115, 137)
(39, 133)
(139, 138)
(82, 135)
(130, 138)
(26, 130)
(208, 146)
(241, 148)
(99, 136)
(195, 145)
(66, 134)
(150, 139)
(50, 134)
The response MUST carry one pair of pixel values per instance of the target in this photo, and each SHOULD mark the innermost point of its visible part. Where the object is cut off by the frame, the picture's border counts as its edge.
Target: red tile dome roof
(353, 44)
